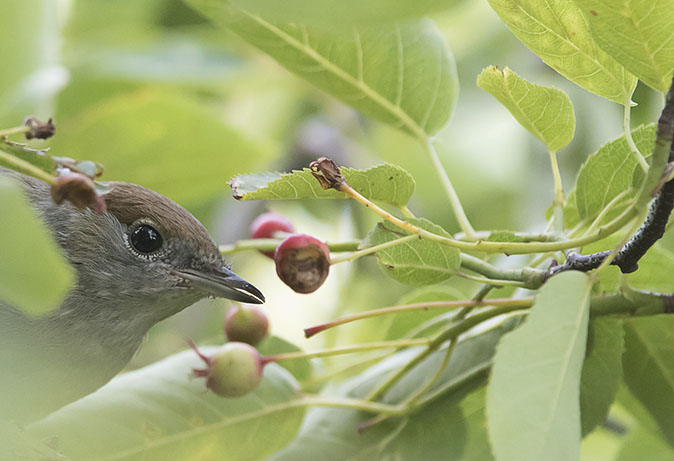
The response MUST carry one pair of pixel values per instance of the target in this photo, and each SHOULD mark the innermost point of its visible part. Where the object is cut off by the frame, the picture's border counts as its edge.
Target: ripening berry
(302, 262)
(246, 324)
(233, 371)
(269, 225)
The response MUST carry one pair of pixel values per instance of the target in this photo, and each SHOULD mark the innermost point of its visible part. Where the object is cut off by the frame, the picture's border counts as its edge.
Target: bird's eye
(145, 239)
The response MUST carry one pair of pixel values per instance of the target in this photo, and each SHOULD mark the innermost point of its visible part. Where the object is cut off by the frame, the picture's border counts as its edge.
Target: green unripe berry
(233, 371)
(247, 324)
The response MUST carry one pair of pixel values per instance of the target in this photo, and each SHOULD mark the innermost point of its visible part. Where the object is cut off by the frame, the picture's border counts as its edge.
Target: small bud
(267, 225)
(233, 371)
(246, 324)
(38, 129)
(302, 262)
(78, 189)
(327, 173)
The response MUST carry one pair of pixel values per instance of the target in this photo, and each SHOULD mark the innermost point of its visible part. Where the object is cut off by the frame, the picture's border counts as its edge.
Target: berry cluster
(236, 368)
(302, 261)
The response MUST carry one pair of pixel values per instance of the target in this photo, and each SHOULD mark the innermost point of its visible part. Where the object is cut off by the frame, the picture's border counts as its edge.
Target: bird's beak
(222, 283)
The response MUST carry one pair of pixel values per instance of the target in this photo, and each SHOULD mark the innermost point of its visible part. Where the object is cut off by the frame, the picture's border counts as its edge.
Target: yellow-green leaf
(559, 34)
(636, 33)
(383, 183)
(401, 74)
(547, 113)
(416, 262)
(610, 171)
(34, 275)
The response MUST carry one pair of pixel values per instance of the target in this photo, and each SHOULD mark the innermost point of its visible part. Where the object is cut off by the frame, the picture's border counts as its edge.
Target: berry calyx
(270, 225)
(233, 371)
(302, 262)
(246, 324)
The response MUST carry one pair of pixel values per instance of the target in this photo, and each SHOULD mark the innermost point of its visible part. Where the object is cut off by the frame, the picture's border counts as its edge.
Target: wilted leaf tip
(327, 173)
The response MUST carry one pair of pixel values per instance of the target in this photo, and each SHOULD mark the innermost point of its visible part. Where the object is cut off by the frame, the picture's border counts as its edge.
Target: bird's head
(146, 254)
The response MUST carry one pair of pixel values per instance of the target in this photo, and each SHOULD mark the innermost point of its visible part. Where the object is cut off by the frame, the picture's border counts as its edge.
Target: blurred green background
(165, 99)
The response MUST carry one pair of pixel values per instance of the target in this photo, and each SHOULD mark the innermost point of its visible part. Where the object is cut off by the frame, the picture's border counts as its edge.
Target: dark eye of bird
(145, 239)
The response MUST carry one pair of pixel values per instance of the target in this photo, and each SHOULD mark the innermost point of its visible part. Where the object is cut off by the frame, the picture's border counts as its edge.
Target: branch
(653, 228)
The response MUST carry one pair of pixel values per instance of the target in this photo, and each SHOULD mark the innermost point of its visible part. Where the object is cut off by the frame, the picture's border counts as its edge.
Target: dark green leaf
(642, 444)
(649, 368)
(602, 371)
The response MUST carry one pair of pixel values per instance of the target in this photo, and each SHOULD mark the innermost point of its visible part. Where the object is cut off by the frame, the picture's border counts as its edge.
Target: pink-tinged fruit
(270, 225)
(246, 324)
(233, 371)
(302, 262)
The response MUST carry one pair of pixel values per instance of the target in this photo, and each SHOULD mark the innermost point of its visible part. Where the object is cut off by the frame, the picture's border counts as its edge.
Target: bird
(142, 260)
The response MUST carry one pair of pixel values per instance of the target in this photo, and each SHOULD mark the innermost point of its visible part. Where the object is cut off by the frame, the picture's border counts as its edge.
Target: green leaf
(649, 368)
(400, 74)
(34, 275)
(636, 410)
(402, 322)
(602, 371)
(301, 369)
(547, 113)
(654, 273)
(504, 236)
(559, 34)
(345, 12)
(160, 412)
(452, 427)
(610, 171)
(164, 140)
(22, 52)
(641, 443)
(533, 406)
(416, 262)
(571, 215)
(15, 444)
(382, 183)
(637, 34)
(34, 157)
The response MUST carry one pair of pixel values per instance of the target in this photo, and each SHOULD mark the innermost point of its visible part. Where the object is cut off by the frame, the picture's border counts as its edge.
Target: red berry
(302, 262)
(233, 371)
(267, 225)
(247, 324)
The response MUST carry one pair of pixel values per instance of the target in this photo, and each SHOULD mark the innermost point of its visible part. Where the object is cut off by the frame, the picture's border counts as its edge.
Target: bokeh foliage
(164, 97)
